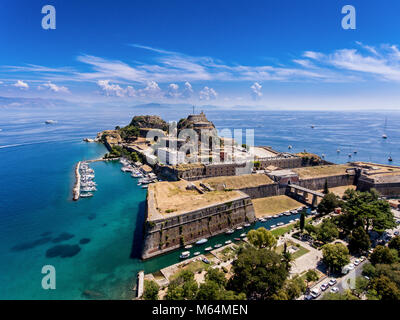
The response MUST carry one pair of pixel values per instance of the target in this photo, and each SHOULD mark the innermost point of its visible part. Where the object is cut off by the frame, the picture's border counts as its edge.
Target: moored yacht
(202, 241)
(184, 255)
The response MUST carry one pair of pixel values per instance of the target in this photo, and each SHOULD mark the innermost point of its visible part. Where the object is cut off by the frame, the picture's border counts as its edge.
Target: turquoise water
(37, 174)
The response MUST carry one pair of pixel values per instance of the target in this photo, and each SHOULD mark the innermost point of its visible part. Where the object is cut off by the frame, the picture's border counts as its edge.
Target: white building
(170, 156)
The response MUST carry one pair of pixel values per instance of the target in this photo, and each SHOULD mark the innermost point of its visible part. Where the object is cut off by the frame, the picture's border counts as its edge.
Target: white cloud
(187, 91)
(111, 89)
(256, 90)
(152, 90)
(53, 87)
(208, 94)
(173, 91)
(21, 84)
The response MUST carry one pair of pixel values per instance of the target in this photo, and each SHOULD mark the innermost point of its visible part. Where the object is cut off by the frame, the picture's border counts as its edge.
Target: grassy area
(339, 191)
(226, 254)
(270, 206)
(321, 171)
(301, 250)
(194, 266)
(282, 230)
(173, 197)
(238, 182)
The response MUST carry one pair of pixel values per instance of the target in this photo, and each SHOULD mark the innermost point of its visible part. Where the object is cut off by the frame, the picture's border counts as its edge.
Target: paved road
(352, 275)
(342, 282)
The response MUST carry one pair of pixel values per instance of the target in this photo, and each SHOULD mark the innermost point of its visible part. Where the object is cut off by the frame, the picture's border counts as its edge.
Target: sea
(94, 244)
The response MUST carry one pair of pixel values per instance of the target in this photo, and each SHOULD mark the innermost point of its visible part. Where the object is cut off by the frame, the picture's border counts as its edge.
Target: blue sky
(275, 54)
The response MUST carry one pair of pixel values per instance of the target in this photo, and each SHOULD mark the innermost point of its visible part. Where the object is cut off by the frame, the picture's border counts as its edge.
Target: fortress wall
(385, 189)
(333, 181)
(171, 233)
(284, 163)
(268, 190)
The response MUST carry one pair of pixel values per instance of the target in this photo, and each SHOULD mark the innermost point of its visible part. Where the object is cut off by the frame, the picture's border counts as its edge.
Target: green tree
(216, 276)
(328, 203)
(392, 271)
(383, 255)
(326, 189)
(336, 256)
(302, 220)
(366, 210)
(311, 229)
(347, 295)
(328, 231)
(359, 240)
(292, 289)
(362, 285)
(261, 238)
(260, 273)
(395, 244)
(385, 289)
(150, 291)
(311, 276)
(369, 270)
(183, 287)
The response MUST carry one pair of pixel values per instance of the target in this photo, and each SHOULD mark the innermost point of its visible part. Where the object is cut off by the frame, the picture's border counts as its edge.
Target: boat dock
(77, 187)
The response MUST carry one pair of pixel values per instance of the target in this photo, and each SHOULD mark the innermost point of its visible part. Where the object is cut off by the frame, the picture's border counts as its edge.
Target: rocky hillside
(152, 122)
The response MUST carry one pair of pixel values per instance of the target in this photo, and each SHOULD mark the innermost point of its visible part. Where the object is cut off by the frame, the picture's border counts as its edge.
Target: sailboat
(384, 136)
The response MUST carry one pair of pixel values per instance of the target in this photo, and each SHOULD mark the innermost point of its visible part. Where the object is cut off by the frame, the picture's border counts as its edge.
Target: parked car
(351, 266)
(315, 293)
(324, 286)
(308, 297)
(332, 282)
(334, 289)
(357, 262)
(396, 233)
(362, 258)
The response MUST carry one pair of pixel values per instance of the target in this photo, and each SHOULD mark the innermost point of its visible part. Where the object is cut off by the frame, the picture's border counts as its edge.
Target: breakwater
(77, 187)
(76, 191)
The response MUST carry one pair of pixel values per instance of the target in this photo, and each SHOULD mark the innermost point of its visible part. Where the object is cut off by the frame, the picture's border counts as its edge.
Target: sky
(262, 54)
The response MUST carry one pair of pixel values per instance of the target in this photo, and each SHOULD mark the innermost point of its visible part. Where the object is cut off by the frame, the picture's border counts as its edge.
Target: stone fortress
(200, 200)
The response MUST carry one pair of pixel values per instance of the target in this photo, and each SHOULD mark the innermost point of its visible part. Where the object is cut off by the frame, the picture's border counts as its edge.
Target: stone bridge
(301, 194)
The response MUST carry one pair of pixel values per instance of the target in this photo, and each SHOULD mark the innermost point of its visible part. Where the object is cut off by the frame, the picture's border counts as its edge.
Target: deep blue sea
(37, 174)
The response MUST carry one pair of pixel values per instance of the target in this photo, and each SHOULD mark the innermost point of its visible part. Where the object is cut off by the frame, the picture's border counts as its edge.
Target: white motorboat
(196, 253)
(184, 255)
(243, 235)
(229, 231)
(208, 249)
(188, 246)
(247, 225)
(218, 245)
(228, 242)
(202, 241)
(86, 195)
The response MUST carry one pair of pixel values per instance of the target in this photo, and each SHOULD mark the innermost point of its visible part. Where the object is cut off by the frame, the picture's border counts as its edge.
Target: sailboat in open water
(384, 136)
